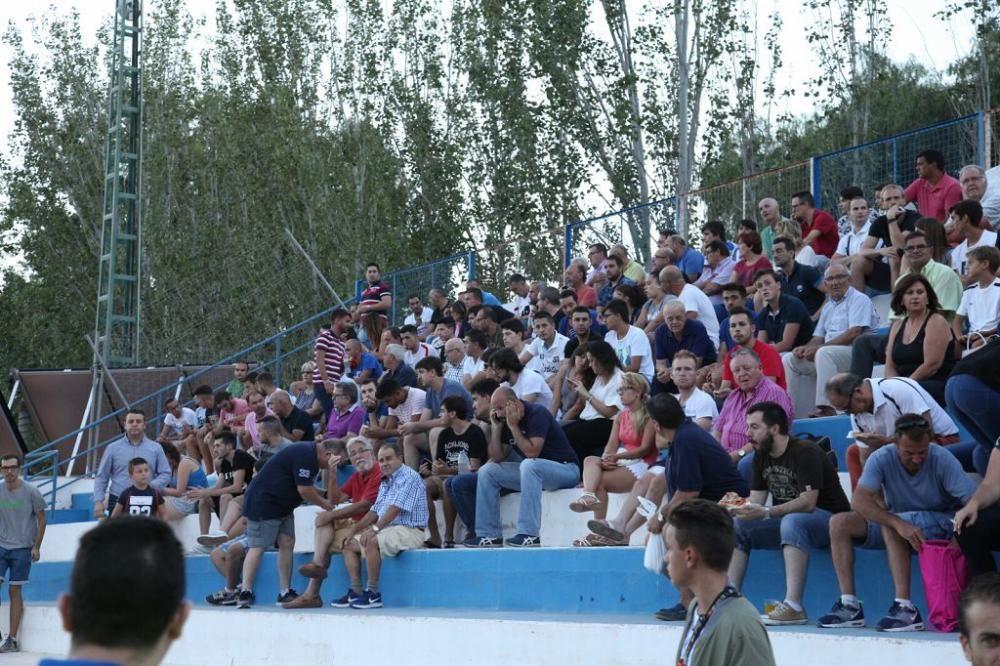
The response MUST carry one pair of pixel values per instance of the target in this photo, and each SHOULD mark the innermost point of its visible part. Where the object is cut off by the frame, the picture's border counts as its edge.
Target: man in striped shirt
(329, 357)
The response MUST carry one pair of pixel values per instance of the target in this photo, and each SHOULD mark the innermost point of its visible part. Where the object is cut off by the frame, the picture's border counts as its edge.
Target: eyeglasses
(916, 248)
(9, 466)
(835, 278)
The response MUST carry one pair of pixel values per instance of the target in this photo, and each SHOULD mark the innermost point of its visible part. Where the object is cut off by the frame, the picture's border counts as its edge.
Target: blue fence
(893, 159)
(448, 273)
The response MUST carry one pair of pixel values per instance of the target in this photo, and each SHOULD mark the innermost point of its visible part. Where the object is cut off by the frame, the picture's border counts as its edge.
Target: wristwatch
(742, 453)
(767, 512)
(375, 529)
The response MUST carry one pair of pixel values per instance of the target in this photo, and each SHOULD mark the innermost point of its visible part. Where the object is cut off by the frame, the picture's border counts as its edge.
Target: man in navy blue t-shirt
(784, 321)
(528, 452)
(285, 482)
(696, 466)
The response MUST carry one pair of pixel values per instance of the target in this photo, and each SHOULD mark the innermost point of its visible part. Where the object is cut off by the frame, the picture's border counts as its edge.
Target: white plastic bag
(655, 551)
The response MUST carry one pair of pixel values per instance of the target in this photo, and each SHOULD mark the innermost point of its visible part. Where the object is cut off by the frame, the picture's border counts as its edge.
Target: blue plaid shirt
(404, 489)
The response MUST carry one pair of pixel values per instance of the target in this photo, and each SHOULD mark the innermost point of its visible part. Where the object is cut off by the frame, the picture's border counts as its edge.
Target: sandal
(586, 502)
(431, 544)
(592, 540)
(449, 544)
(604, 530)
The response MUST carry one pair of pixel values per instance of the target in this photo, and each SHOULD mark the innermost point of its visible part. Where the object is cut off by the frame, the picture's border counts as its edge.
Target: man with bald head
(528, 452)
(676, 334)
(696, 304)
(630, 268)
(847, 315)
(770, 214)
(662, 257)
(296, 424)
(976, 187)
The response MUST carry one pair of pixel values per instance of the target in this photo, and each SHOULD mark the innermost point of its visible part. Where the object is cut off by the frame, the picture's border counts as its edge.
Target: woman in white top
(804, 254)
(589, 433)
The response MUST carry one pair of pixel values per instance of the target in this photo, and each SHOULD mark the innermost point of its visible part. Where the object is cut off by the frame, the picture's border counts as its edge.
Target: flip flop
(606, 531)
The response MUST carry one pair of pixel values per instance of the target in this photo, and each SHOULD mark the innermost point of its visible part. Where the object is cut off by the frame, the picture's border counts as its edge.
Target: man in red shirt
(934, 191)
(819, 229)
(333, 527)
(576, 279)
(741, 330)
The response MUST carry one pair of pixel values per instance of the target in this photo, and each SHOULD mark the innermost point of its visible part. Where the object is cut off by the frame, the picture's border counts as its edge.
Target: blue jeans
(976, 406)
(324, 398)
(461, 488)
(530, 476)
(804, 531)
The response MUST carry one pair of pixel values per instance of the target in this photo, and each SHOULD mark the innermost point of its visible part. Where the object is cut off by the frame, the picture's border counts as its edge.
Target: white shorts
(637, 467)
(185, 507)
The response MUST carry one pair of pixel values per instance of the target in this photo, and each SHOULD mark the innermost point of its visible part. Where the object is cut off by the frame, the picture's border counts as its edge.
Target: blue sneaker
(843, 617)
(368, 599)
(346, 600)
(524, 541)
(901, 619)
(483, 542)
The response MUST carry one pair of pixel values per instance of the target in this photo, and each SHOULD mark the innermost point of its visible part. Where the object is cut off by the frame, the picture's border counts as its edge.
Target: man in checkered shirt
(395, 523)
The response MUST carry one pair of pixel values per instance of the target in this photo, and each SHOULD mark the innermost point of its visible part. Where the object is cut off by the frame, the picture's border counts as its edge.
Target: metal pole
(315, 269)
(79, 435)
(107, 372)
(13, 394)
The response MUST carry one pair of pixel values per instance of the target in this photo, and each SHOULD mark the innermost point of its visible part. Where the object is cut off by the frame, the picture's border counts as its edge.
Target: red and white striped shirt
(333, 356)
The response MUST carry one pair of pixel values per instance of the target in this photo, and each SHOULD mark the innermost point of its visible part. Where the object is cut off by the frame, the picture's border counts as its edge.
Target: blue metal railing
(47, 456)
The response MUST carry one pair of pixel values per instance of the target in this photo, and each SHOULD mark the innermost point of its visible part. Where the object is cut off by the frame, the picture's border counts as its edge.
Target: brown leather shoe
(825, 410)
(312, 570)
(303, 602)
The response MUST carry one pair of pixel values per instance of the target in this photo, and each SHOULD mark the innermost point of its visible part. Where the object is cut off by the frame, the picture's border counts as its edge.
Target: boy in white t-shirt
(980, 304)
(179, 424)
(698, 406)
(965, 217)
(629, 342)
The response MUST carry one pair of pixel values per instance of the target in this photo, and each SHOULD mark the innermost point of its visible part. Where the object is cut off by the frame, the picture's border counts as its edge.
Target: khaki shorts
(341, 530)
(395, 539)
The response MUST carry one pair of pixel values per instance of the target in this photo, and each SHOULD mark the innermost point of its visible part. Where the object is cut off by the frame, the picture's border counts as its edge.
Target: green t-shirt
(236, 388)
(734, 636)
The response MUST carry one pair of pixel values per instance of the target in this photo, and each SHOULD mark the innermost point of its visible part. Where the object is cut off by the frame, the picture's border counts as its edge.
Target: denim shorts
(933, 524)
(16, 561)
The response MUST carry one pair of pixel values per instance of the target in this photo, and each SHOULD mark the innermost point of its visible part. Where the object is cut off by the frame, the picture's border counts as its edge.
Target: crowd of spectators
(663, 385)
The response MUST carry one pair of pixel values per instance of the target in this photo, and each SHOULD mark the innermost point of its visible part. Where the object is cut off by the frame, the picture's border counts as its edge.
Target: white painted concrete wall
(263, 637)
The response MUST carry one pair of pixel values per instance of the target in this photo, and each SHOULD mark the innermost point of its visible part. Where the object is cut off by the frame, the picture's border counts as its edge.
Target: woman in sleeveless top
(921, 345)
(631, 448)
(186, 474)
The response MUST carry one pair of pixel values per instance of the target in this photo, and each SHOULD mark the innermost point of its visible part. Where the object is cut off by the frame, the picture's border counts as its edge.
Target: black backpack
(823, 443)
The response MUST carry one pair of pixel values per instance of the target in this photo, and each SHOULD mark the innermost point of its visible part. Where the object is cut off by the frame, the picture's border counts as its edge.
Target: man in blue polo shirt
(285, 482)
(784, 321)
(529, 453)
(679, 332)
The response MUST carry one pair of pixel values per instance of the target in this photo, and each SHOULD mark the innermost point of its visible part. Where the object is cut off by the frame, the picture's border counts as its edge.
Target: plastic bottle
(463, 463)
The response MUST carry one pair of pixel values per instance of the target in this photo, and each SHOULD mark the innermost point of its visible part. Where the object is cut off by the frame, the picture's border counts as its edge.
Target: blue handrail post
(277, 361)
(895, 161)
(981, 140)
(567, 244)
(472, 265)
(816, 185)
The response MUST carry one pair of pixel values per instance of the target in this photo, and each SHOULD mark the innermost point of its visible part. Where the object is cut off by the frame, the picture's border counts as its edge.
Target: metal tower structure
(118, 290)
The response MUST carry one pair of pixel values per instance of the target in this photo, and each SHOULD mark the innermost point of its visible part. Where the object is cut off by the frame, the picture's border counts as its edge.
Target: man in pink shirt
(934, 191)
(819, 229)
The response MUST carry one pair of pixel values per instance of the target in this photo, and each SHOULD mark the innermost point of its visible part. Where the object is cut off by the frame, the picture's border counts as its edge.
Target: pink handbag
(945, 575)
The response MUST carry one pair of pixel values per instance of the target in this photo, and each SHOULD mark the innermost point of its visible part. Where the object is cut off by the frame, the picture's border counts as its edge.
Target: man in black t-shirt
(458, 437)
(802, 282)
(885, 236)
(235, 469)
(296, 424)
(141, 499)
(805, 491)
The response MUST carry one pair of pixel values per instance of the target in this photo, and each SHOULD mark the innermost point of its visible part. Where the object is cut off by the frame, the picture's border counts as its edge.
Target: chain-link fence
(737, 200)
(635, 228)
(536, 257)
(894, 159)
(448, 273)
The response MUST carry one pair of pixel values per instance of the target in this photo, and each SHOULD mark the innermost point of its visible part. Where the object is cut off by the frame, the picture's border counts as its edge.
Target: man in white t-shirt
(857, 233)
(405, 403)
(698, 406)
(696, 303)
(527, 384)
(964, 219)
(473, 367)
(980, 305)
(413, 348)
(521, 305)
(179, 424)
(419, 316)
(630, 343)
(546, 350)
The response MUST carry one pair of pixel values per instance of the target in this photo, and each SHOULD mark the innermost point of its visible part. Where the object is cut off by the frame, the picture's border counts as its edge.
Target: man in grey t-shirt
(22, 527)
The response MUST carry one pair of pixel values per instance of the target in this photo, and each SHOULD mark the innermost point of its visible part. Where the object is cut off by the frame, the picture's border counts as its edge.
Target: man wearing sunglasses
(922, 485)
(22, 527)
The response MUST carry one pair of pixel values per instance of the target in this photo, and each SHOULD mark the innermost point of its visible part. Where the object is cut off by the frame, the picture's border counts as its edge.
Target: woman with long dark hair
(589, 433)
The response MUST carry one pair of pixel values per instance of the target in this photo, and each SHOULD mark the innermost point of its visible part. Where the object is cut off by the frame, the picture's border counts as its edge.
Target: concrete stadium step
(265, 636)
(609, 581)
